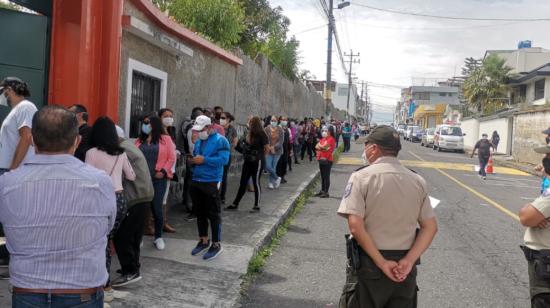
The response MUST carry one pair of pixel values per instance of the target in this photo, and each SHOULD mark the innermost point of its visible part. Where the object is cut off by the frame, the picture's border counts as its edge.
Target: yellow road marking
(436, 165)
(473, 191)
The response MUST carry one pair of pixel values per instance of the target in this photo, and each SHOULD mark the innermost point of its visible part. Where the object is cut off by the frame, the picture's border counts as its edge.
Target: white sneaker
(278, 182)
(159, 243)
(105, 305)
(270, 185)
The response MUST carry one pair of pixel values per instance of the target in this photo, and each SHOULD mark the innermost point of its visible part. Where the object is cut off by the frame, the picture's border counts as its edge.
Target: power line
(448, 17)
(438, 28)
(311, 29)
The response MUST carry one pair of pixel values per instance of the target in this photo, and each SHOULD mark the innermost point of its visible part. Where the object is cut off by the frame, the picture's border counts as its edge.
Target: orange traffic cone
(489, 168)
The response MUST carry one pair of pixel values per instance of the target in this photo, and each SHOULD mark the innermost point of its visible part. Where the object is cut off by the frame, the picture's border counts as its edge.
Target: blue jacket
(215, 151)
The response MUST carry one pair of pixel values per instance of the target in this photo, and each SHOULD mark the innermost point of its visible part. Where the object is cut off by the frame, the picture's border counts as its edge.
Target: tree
(485, 89)
(470, 64)
(221, 21)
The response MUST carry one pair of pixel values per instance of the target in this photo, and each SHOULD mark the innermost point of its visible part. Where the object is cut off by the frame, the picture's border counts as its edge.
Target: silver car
(428, 137)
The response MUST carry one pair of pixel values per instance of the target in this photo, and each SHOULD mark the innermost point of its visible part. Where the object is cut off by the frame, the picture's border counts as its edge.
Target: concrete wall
(202, 79)
(470, 127)
(527, 135)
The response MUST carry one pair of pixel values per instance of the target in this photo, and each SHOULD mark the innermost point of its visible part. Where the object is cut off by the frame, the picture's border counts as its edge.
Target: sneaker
(126, 280)
(4, 263)
(214, 251)
(159, 243)
(270, 185)
(5, 276)
(191, 217)
(105, 305)
(484, 178)
(200, 248)
(283, 181)
(320, 193)
(278, 182)
(255, 209)
(324, 195)
(108, 295)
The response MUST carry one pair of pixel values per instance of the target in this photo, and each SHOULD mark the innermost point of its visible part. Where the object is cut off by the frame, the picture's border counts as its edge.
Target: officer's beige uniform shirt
(537, 238)
(391, 199)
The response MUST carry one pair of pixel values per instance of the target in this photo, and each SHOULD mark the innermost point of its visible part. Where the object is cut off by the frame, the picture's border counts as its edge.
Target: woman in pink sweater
(107, 155)
(160, 153)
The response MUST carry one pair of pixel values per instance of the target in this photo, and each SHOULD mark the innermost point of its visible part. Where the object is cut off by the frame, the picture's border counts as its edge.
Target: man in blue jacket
(211, 153)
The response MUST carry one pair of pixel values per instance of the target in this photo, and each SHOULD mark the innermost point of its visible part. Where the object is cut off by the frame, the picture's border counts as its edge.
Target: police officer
(384, 204)
(535, 216)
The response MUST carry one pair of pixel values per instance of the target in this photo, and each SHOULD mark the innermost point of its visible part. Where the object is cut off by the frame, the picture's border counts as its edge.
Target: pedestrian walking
(483, 147)
(166, 115)
(210, 155)
(189, 139)
(310, 136)
(338, 132)
(57, 213)
(536, 216)
(275, 136)
(253, 146)
(325, 149)
(346, 137)
(384, 246)
(140, 193)
(226, 120)
(107, 155)
(495, 140)
(159, 151)
(84, 130)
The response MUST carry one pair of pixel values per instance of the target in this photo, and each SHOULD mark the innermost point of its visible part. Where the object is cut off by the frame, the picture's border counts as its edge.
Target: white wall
(502, 126)
(470, 127)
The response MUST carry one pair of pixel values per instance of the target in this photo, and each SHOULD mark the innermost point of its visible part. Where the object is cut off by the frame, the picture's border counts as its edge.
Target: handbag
(244, 148)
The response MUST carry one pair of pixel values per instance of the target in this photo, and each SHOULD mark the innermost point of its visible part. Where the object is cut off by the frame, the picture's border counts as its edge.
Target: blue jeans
(27, 300)
(271, 161)
(156, 205)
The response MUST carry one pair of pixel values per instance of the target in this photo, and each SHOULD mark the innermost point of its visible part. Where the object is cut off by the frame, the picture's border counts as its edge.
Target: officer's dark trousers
(207, 207)
(128, 238)
(539, 289)
(369, 287)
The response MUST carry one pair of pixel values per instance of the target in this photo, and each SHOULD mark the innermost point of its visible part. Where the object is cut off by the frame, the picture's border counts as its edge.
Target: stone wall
(527, 135)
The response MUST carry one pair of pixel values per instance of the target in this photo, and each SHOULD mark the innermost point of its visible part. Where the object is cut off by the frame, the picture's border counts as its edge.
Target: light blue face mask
(146, 128)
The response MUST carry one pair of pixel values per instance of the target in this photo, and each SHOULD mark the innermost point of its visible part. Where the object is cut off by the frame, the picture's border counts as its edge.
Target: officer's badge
(347, 191)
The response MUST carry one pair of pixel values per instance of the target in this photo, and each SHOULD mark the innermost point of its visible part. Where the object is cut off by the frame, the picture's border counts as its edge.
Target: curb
(282, 215)
(523, 168)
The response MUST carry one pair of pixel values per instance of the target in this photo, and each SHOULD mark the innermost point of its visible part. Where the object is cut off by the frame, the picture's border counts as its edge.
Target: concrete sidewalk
(174, 278)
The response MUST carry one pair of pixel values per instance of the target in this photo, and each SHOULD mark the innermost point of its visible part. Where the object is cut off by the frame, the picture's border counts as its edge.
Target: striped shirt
(57, 212)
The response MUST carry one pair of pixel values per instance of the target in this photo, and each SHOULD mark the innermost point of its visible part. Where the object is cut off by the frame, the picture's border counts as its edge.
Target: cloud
(397, 48)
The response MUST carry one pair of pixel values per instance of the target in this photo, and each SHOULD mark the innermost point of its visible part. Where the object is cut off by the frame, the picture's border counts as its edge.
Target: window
(539, 89)
(145, 99)
(146, 89)
(423, 96)
(451, 131)
(442, 94)
(343, 91)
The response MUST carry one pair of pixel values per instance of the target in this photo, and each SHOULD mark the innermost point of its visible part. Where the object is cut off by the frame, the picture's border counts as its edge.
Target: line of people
(98, 187)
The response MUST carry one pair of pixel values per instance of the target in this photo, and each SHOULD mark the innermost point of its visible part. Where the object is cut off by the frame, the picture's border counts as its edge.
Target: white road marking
(434, 202)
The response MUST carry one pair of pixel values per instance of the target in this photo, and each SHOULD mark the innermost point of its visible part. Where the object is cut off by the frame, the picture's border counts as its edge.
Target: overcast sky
(399, 50)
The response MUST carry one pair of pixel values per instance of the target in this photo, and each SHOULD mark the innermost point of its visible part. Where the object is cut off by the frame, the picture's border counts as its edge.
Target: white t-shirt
(20, 116)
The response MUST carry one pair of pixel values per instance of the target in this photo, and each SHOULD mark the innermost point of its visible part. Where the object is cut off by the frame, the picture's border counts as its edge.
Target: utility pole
(351, 61)
(328, 84)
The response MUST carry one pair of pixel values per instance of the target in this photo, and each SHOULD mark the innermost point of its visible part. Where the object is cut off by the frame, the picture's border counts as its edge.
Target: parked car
(448, 137)
(428, 137)
(416, 134)
(409, 131)
(401, 128)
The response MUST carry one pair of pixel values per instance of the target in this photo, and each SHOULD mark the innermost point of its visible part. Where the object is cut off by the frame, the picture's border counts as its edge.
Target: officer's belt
(388, 254)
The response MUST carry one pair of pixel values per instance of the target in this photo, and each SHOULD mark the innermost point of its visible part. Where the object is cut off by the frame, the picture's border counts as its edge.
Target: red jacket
(167, 155)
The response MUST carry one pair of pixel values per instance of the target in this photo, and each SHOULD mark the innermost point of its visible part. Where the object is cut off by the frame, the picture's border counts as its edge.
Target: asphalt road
(474, 260)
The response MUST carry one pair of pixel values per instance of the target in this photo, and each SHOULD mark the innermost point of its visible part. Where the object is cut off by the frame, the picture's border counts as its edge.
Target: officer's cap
(386, 137)
(543, 150)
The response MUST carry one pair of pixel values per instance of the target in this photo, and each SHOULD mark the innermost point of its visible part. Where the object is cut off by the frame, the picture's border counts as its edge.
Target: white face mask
(284, 123)
(273, 123)
(168, 121)
(3, 100)
(223, 122)
(203, 135)
(324, 134)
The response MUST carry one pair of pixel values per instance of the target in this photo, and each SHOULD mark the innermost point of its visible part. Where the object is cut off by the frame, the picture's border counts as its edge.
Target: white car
(410, 130)
(401, 128)
(448, 137)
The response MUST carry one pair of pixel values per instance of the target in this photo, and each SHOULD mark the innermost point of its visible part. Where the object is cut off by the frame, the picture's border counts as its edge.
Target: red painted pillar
(85, 55)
